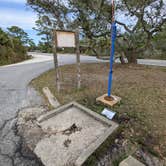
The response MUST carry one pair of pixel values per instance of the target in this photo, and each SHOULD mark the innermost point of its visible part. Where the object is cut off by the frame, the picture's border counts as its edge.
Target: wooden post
(78, 59)
(57, 77)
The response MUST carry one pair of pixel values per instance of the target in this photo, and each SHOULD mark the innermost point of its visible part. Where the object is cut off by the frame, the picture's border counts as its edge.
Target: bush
(11, 49)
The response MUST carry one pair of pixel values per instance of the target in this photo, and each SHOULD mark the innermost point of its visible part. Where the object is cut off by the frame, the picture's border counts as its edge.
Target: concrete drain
(73, 134)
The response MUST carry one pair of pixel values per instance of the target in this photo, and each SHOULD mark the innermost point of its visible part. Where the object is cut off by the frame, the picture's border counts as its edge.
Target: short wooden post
(57, 76)
(78, 59)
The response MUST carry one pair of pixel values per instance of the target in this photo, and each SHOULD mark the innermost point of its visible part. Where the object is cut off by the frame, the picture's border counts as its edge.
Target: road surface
(153, 62)
(14, 80)
(149, 62)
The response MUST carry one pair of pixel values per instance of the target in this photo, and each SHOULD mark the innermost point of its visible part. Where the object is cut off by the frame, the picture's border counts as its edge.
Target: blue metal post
(113, 37)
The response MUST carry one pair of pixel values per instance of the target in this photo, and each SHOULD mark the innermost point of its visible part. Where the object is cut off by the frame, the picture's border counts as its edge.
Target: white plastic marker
(108, 113)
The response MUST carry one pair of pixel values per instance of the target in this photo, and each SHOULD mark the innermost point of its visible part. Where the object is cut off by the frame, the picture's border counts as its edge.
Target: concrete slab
(108, 103)
(131, 161)
(73, 134)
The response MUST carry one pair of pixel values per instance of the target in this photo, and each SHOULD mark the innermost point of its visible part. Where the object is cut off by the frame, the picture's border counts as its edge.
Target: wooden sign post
(57, 76)
(78, 59)
(69, 39)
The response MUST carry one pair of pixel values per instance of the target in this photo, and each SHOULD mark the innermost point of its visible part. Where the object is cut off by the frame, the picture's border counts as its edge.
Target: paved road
(40, 57)
(14, 94)
(153, 62)
(150, 62)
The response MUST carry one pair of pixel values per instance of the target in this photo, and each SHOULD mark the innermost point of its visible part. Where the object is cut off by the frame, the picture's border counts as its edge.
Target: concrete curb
(131, 161)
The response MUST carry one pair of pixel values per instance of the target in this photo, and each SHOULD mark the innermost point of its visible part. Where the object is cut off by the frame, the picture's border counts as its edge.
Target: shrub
(11, 49)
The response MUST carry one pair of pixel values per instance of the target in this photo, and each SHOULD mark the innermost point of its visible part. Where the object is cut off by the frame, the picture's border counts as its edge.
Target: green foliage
(44, 47)
(11, 49)
(20, 34)
(159, 41)
(92, 17)
(149, 18)
(43, 25)
(32, 46)
(4, 38)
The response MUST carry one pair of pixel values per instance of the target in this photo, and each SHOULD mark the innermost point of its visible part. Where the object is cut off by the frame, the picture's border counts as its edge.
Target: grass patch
(141, 114)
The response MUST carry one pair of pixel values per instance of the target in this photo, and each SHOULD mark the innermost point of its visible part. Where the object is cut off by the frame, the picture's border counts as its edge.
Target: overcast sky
(15, 12)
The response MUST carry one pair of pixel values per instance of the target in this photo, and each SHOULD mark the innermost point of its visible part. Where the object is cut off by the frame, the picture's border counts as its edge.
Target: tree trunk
(122, 60)
(57, 76)
(131, 56)
(78, 59)
(92, 48)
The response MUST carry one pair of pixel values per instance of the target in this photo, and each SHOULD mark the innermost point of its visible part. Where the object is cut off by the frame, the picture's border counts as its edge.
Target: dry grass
(142, 111)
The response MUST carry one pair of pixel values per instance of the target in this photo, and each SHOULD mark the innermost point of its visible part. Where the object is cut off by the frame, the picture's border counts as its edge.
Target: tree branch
(125, 26)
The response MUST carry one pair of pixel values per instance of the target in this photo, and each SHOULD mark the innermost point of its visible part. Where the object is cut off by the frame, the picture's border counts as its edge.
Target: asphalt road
(149, 62)
(152, 62)
(14, 80)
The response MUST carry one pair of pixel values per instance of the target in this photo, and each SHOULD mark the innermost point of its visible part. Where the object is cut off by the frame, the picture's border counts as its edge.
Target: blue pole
(113, 37)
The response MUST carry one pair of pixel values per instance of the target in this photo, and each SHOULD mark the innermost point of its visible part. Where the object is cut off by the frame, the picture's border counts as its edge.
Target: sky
(15, 12)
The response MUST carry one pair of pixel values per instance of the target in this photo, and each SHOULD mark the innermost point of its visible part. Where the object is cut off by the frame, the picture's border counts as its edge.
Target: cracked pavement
(14, 95)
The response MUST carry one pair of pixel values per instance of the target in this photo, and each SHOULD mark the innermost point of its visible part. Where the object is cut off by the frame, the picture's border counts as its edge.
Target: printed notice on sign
(65, 39)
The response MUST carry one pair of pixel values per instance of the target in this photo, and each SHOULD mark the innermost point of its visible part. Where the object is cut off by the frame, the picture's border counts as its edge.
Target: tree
(11, 48)
(56, 10)
(43, 47)
(148, 17)
(20, 34)
(44, 29)
(85, 14)
(4, 38)
(92, 17)
(32, 46)
(159, 41)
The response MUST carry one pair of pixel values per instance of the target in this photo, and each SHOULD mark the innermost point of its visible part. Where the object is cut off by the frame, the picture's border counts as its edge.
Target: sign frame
(75, 44)
(66, 38)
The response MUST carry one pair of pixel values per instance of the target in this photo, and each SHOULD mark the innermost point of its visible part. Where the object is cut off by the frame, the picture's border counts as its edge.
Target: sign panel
(65, 39)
